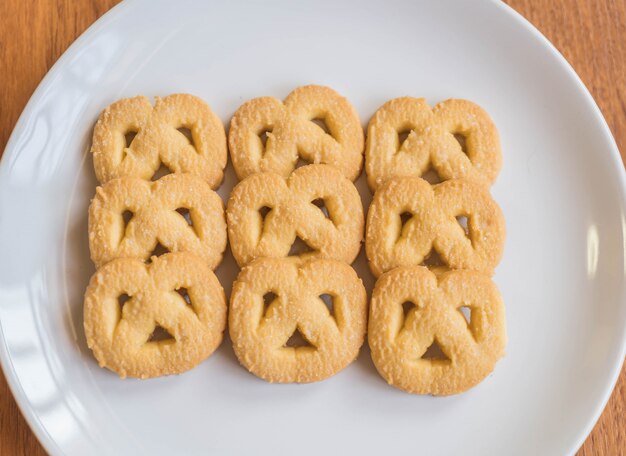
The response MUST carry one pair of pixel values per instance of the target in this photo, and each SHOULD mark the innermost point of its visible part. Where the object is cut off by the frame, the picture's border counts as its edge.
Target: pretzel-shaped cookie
(292, 213)
(392, 242)
(157, 139)
(260, 334)
(399, 338)
(120, 337)
(153, 206)
(291, 132)
(431, 141)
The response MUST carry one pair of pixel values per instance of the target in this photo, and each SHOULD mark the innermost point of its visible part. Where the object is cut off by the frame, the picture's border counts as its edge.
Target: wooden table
(590, 33)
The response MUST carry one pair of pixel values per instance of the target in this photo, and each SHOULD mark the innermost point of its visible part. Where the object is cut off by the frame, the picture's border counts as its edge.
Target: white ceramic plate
(561, 190)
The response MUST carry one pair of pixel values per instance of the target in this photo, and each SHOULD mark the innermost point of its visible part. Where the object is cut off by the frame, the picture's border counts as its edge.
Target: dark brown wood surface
(591, 34)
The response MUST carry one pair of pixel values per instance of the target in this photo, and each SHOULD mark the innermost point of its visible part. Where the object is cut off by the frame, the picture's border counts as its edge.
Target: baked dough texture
(409, 218)
(154, 219)
(431, 142)
(158, 139)
(292, 133)
(292, 212)
(260, 332)
(119, 335)
(400, 338)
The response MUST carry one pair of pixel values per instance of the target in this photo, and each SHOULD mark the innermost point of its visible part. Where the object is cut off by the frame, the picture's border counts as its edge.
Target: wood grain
(591, 34)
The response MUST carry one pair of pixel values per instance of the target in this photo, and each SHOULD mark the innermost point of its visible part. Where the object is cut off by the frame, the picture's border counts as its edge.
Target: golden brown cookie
(409, 218)
(294, 129)
(273, 298)
(266, 213)
(129, 217)
(160, 139)
(456, 138)
(127, 300)
(412, 308)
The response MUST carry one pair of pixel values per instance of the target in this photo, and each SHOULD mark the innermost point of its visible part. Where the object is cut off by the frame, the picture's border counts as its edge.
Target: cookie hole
(328, 300)
(432, 177)
(320, 122)
(162, 171)
(126, 217)
(186, 132)
(160, 334)
(319, 202)
(158, 250)
(435, 353)
(129, 137)
(466, 312)
(263, 212)
(186, 215)
(122, 299)
(404, 219)
(462, 140)
(297, 340)
(433, 260)
(462, 220)
(406, 308)
(299, 247)
(184, 294)
(402, 137)
(301, 162)
(264, 136)
(268, 299)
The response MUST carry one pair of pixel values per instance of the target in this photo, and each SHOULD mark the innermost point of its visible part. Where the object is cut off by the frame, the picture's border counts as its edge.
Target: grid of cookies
(298, 312)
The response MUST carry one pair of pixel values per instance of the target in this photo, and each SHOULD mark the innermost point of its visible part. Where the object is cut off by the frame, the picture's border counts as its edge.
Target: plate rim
(15, 386)
(621, 177)
(48, 442)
